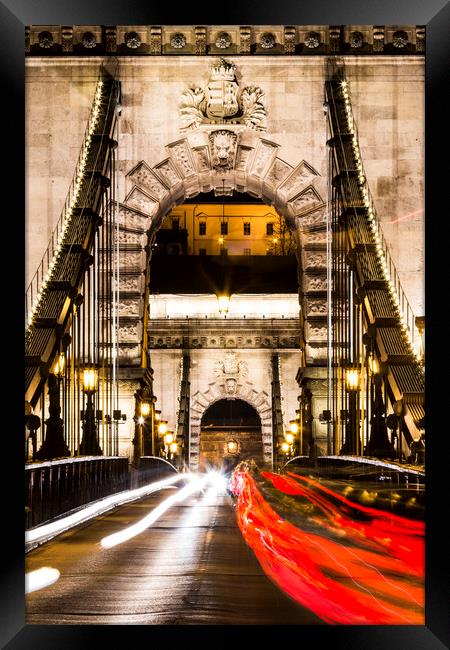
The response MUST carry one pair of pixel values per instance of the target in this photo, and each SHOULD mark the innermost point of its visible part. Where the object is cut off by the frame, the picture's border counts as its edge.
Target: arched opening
(230, 431)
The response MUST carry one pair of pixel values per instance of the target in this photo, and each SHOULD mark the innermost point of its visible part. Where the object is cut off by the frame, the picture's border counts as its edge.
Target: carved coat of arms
(223, 101)
(229, 370)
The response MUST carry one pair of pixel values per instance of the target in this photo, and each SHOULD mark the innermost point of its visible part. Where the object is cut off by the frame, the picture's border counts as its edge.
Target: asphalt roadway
(191, 567)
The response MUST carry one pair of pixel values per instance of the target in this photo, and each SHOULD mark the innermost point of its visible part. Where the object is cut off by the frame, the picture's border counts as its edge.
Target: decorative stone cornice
(271, 40)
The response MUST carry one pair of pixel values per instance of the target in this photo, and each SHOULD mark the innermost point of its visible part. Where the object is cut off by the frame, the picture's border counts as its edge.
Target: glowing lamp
(157, 415)
(60, 364)
(145, 409)
(162, 427)
(289, 438)
(285, 447)
(352, 379)
(173, 448)
(90, 378)
(232, 447)
(374, 365)
(141, 420)
(168, 439)
(293, 426)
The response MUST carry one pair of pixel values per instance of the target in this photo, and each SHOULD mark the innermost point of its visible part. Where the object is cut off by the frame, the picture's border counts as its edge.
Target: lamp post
(352, 442)
(147, 444)
(394, 421)
(378, 445)
(89, 444)
(54, 445)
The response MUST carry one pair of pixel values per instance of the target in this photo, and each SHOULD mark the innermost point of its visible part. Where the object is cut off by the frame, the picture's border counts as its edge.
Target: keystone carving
(306, 200)
(312, 219)
(131, 283)
(316, 307)
(129, 307)
(223, 149)
(264, 152)
(201, 155)
(242, 157)
(168, 172)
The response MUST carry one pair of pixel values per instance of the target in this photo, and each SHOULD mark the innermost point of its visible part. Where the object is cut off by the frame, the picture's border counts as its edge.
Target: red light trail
(350, 564)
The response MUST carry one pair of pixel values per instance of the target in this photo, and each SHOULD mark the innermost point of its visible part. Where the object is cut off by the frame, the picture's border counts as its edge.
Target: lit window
(247, 251)
(175, 224)
(247, 228)
(269, 228)
(224, 228)
(202, 228)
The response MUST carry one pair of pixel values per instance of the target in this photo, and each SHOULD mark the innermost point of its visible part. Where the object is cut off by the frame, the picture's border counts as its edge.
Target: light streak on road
(196, 484)
(47, 531)
(43, 577)
(348, 563)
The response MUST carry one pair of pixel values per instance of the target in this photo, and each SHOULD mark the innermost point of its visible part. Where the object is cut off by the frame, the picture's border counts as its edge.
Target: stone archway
(219, 390)
(247, 162)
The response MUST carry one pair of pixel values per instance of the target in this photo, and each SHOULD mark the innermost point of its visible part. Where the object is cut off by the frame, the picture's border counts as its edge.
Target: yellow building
(227, 229)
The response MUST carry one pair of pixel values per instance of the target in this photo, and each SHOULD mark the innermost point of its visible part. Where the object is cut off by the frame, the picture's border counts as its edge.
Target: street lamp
(378, 444)
(54, 445)
(89, 444)
(352, 442)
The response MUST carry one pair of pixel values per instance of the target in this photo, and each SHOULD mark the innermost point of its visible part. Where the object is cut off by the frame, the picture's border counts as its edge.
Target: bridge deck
(191, 566)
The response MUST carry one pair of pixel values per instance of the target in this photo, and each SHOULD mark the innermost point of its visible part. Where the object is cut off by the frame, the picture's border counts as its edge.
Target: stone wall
(388, 102)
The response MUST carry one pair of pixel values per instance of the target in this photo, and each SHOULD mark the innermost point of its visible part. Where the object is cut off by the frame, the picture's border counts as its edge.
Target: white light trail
(196, 484)
(40, 578)
(46, 531)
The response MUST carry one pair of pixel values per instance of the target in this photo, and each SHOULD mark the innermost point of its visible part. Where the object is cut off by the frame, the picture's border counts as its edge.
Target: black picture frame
(435, 15)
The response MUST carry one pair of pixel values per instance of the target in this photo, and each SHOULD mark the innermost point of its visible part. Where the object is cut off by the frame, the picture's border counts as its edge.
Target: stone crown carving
(222, 101)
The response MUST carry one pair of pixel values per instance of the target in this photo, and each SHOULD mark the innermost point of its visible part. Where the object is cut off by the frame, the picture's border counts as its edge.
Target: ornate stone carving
(314, 283)
(67, 38)
(168, 172)
(45, 39)
(130, 260)
(111, 39)
(267, 40)
(420, 39)
(220, 101)
(130, 283)
(201, 155)
(245, 35)
(378, 38)
(223, 40)
(155, 40)
(223, 149)
(315, 353)
(181, 153)
(141, 200)
(129, 307)
(265, 151)
(312, 40)
(356, 39)
(312, 219)
(230, 366)
(88, 40)
(128, 237)
(144, 177)
(130, 219)
(242, 157)
(129, 352)
(315, 259)
(399, 38)
(289, 39)
(128, 333)
(278, 172)
(335, 37)
(132, 40)
(298, 179)
(200, 41)
(316, 332)
(306, 200)
(319, 237)
(178, 41)
(315, 307)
